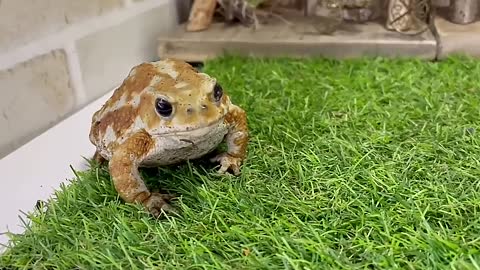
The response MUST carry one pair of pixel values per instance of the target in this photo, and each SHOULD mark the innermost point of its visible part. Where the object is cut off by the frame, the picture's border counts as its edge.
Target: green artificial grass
(366, 163)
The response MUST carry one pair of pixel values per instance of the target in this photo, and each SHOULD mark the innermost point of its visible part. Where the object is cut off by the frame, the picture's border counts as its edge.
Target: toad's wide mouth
(195, 131)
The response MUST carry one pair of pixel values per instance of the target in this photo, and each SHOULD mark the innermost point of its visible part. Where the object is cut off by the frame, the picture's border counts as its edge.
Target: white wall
(56, 56)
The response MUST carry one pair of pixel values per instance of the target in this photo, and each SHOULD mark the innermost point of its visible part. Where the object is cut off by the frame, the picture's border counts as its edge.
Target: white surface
(33, 171)
(75, 74)
(66, 38)
(138, 38)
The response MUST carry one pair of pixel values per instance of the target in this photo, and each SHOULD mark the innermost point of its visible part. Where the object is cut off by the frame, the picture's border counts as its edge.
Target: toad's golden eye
(163, 107)
(217, 92)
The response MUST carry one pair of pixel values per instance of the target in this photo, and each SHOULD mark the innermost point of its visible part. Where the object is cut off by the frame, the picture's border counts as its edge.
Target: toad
(165, 112)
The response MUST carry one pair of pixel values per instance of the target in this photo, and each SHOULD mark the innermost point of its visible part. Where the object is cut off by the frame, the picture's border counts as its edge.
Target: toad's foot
(123, 167)
(158, 203)
(227, 162)
(98, 158)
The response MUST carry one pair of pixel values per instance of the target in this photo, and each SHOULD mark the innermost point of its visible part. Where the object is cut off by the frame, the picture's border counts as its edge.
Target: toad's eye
(217, 92)
(163, 107)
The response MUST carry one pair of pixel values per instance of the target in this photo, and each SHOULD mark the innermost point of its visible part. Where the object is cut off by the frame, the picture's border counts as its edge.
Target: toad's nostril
(204, 107)
(190, 110)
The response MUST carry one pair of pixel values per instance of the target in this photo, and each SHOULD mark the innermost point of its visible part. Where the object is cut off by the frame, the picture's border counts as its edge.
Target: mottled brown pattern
(225, 99)
(116, 96)
(211, 111)
(128, 183)
(238, 135)
(188, 74)
(141, 77)
(112, 146)
(132, 85)
(203, 110)
(146, 111)
(124, 167)
(138, 128)
(179, 64)
(119, 120)
(144, 74)
(123, 117)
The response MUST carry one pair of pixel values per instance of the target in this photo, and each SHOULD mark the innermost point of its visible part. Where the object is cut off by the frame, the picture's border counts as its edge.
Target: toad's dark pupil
(163, 107)
(217, 92)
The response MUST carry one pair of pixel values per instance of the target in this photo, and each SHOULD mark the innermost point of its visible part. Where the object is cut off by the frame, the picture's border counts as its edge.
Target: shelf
(280, 39)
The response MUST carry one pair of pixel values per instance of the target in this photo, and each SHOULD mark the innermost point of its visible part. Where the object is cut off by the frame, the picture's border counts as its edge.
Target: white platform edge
(36, 169)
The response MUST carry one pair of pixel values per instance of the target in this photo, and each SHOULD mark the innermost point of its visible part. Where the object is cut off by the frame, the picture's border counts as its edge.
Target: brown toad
(165, 112)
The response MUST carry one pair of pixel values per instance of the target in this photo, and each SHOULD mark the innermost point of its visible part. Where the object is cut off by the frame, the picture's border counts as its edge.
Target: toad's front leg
(123, 167)
(237, 141)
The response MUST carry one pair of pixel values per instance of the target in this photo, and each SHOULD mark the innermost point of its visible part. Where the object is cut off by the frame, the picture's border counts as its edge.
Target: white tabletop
(33, 171)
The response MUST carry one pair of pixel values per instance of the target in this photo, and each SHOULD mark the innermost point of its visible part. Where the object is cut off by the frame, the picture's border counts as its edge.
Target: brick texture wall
(56, 56)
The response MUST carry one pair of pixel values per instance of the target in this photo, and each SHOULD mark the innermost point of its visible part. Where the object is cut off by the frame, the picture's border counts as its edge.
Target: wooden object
(463, 11)
(310, 7)
(201, 15)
